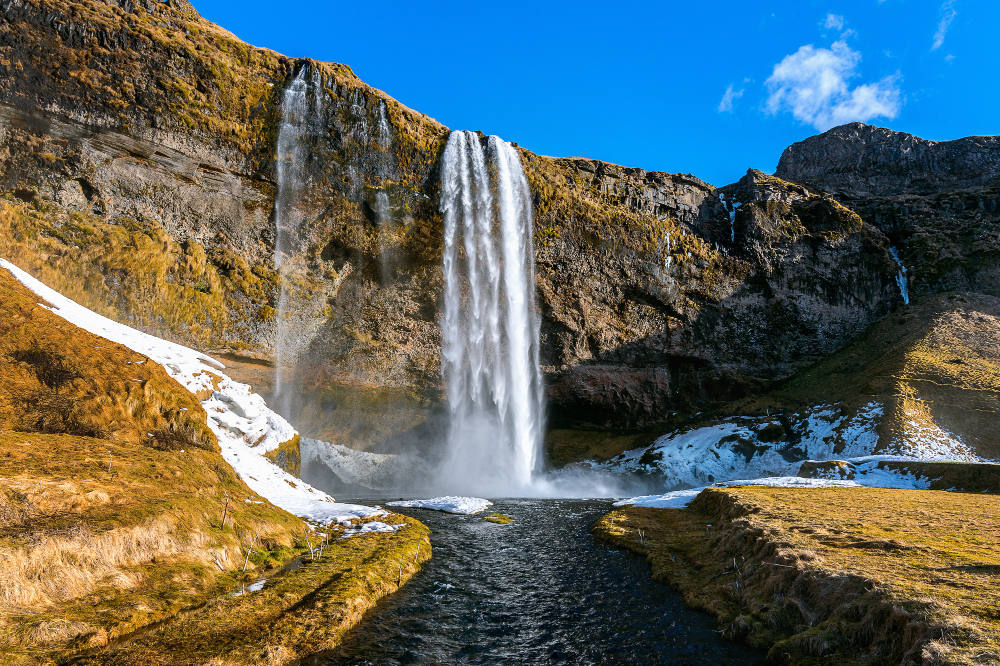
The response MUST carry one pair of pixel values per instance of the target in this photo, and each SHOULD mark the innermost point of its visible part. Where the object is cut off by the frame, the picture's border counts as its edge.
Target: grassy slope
(88, 554)
(833, 575)
(135, 272)
(937, 359)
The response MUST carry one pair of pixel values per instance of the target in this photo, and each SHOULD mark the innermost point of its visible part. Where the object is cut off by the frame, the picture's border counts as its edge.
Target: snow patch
(450, 504)
(866, 474)
(372, 527)
(733, 449)
(240, 419)
(376, 471)
(675, 499)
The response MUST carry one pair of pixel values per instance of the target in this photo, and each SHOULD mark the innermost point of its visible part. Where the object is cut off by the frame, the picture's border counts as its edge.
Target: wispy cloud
(811, 84)
(834, 22)
(731, 95)
(948, 15)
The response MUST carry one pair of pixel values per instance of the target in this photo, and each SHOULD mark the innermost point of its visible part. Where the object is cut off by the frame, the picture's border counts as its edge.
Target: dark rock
(858, 160)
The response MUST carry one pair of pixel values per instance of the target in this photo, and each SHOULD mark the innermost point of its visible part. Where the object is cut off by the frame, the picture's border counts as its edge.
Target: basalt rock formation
(138, 175)
(938, 202)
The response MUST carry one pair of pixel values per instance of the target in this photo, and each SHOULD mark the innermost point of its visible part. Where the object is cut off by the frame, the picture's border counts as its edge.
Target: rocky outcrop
(938, 202)
(138, 170)
(859, 161)
(680, 312)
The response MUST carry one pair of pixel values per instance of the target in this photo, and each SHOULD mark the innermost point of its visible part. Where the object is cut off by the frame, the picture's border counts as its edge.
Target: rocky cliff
(921, 383)
(138, 171)
(938, 202)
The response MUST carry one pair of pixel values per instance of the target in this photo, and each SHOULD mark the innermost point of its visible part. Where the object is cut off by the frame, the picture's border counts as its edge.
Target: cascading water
(490, 331)
(299, 113)
(904, 290)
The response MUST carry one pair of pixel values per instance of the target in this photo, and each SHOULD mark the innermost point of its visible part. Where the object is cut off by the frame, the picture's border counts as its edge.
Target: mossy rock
(287, 456)
(498, 518)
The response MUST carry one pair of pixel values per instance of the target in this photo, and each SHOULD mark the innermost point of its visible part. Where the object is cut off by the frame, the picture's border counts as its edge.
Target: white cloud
(812, 85)
(726, 105)
(948, 15)
(834, 22)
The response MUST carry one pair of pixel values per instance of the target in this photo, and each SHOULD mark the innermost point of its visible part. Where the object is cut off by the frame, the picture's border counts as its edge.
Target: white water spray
(299, 112)
(490, 330)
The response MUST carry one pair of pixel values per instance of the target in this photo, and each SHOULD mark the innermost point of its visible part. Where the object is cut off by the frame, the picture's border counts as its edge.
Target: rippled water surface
(539, 591)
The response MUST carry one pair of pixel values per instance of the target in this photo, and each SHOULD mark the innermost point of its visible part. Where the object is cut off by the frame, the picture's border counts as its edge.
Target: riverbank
(832, 575)
(304, 610)
(126, 533)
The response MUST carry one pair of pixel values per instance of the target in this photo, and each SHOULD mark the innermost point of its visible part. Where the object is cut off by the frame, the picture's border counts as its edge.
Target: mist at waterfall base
(488, 434)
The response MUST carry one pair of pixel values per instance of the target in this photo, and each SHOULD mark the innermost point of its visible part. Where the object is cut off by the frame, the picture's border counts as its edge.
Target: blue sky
(709, 88)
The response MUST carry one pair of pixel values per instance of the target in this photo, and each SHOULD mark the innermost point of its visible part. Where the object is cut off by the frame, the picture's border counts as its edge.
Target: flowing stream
(539, 591)
(490, 328)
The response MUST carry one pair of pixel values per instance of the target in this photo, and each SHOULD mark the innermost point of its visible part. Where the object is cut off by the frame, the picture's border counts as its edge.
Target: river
(539, 591)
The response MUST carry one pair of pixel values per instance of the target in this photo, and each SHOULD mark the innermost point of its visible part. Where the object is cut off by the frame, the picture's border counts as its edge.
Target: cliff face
(938, 202)
(858, 161)
(138, 171)
(654, 308)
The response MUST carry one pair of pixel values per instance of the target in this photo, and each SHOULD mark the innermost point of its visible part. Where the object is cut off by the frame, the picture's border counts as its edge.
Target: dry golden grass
(113, 551)
(833, 575)
(60, 379)
(304, 612)
(101, 536)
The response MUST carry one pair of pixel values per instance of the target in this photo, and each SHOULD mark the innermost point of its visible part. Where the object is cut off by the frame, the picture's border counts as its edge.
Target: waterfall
(490, 329)
(299, 113)
(904, 290)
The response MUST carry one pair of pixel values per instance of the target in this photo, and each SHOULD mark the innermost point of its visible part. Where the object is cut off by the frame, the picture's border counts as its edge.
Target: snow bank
(461, 505)
(737, 448)
(375, 471)
(866, 473)
(733, 449)
(678, 499)
(240, 419)
(373, 526)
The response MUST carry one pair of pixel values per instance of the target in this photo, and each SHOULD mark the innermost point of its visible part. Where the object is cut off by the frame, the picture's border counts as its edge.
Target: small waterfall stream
(490, 327)
(904, 290)
(299, 113)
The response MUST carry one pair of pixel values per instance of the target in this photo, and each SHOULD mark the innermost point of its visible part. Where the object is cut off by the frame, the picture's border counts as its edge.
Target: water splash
(299, 113)
(490, 354)
(904, 290)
